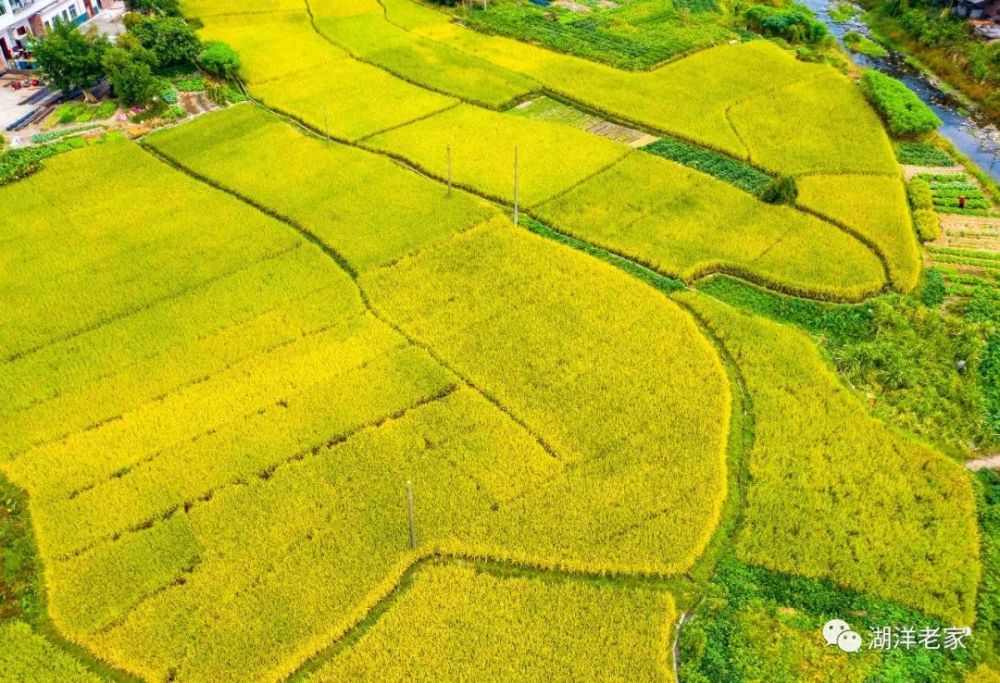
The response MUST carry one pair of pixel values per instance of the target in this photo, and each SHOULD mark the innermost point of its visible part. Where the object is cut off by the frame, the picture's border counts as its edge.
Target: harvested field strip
(545, 108)
(925, 556)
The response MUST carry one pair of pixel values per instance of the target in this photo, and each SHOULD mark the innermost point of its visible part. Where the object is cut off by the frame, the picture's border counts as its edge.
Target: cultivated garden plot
(504, 342)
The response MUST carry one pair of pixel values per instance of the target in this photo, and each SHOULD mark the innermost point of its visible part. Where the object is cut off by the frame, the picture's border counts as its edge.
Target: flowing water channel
(973, 134)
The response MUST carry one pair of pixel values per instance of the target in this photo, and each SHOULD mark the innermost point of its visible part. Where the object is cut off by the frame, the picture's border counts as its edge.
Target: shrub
(903, 112)
(16, 164)
(171, 39)
(133, 82)
(193, 83)
(928, 224)
(169, 7)
(933, 290)
(167, 93)
(69, 58)
(920, 194)
(219, 59)
(795, 24)
(781, 190)
(856, 42)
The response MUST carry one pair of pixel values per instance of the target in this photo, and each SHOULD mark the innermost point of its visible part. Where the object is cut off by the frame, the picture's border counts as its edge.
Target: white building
(23, 20)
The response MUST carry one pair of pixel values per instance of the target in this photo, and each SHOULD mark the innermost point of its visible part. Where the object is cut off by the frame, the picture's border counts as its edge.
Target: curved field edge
(803, 462)
(536, 62)
(484, 617)
(25, 619)
(706, 268)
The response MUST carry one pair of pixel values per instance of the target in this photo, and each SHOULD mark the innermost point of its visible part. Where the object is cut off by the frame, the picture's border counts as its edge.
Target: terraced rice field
(304, 399)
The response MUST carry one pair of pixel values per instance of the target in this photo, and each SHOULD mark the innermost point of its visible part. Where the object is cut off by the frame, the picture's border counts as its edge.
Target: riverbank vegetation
(930, 31)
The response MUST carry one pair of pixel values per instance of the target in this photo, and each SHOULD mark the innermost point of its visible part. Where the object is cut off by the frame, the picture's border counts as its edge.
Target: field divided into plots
(271, 331)
(275, 398)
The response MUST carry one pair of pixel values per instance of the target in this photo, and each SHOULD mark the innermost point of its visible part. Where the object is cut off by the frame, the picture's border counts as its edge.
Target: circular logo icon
(832, 630)
(849, 641)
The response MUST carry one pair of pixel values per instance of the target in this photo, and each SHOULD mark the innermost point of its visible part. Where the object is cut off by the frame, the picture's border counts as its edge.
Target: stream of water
(974, 135)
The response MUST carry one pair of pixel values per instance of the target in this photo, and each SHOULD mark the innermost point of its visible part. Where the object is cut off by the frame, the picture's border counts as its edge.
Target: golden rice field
(224, 377)
(460, 607)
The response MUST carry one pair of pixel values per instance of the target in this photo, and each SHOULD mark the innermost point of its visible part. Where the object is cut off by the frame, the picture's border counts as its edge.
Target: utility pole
(449, 169)
(326, 124)
(409, 507)
(515, 186)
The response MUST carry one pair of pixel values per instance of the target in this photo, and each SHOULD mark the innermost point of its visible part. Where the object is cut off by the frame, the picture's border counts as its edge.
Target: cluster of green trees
(945, 42)
(795, 23)
(158, 40)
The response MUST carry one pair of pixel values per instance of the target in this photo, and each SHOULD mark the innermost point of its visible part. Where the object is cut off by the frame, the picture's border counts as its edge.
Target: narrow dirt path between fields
(987, 462)
(910, 171)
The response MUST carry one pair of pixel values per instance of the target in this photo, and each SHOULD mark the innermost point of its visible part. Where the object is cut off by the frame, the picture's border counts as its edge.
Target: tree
(781, 190)
(70, 58)
(166, 7)
(220, 60)
(131, 75)
(170, 38)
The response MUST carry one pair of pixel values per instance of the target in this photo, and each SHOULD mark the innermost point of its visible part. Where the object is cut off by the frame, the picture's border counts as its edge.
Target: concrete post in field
(515, 185)
(409, 508)
(449, 170)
